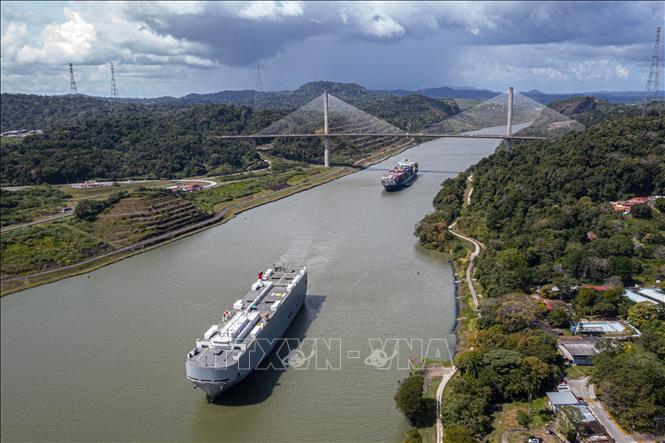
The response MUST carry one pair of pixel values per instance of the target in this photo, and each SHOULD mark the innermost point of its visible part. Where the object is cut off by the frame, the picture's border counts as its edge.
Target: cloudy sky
(175, 48)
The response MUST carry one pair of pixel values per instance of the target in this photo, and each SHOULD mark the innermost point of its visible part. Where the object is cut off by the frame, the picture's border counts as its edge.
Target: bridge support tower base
(326, 152)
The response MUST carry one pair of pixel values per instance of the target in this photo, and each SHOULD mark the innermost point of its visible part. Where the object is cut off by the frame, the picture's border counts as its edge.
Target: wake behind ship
(231, 349)
(400, 176)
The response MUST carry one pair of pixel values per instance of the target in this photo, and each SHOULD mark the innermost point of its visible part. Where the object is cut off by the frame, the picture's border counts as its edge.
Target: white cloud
(621, 72)
(68, 41)
(270, 10)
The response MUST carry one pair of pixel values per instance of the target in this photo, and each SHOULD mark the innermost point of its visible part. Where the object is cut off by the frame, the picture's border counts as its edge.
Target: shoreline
(229, 213)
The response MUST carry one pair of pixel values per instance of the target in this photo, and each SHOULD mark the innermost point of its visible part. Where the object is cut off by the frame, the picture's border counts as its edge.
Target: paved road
(476, 244)
(448, 374)
(36, 222)
(209, 183)
(582, 388)
(469, 269)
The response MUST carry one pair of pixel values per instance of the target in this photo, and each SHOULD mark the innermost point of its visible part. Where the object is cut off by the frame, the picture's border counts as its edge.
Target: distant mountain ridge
(28, 111)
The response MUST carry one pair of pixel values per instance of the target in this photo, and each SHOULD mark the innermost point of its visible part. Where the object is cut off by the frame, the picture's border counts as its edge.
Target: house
(188, 187)
(605, 328)
(90, 185)
(651, 295)
(585, 423)
(578, 350)
(557, 400)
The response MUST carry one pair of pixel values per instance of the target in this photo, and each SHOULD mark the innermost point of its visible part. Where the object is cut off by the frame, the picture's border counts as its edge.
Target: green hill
(136, 142)
(534, 207)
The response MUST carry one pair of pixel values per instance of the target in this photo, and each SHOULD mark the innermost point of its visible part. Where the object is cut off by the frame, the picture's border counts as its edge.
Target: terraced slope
(134, 219)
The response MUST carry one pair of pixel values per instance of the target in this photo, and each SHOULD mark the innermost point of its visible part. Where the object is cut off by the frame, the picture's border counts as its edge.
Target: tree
(631, 383)
(621, 267)
(534, 373)
(408, 396)
(641, 211)
(660, 204)
(89, 209)
(559, 318)
(640, 314)
(467, 404)
(469, 362)
(420, 412)
(457, 434)
(653, 338)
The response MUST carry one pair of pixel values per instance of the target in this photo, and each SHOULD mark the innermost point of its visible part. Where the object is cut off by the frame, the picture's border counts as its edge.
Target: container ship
(231, 349)
(400, 176)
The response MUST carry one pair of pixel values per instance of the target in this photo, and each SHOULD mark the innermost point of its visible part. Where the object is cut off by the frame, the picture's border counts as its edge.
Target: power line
(72, 83)
(653, 82)
(114, 87)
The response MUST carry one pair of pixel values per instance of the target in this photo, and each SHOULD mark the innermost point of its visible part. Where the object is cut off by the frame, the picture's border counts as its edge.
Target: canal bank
(111, 344)
(11, 284)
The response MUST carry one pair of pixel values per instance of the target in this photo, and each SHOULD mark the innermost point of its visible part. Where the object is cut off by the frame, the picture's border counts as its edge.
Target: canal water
(101, 357)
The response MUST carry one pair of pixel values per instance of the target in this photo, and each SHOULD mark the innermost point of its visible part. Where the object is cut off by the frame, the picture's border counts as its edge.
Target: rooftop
(604, 327)
(562, 398)
(578, 347)
(636, 297)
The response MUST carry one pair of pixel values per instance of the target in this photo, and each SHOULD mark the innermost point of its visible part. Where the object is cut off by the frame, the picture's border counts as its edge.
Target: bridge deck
(402, 135)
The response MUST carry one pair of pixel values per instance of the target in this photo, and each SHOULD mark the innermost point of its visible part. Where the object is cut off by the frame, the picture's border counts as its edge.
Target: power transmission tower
(72, 83)
(259, 79)
(114, 88)
(653, 82)
(259, 83)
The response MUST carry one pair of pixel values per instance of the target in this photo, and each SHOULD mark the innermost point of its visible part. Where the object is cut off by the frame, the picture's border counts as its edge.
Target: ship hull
(396, 186)
(215, 380)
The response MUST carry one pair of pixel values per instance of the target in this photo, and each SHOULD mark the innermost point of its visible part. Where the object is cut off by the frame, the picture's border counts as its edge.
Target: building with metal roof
(556, 400)
(651, 295)
(577, 350)
(606, 328)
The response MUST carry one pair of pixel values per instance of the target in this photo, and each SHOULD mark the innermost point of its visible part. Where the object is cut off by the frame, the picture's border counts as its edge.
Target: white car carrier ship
(231, 349)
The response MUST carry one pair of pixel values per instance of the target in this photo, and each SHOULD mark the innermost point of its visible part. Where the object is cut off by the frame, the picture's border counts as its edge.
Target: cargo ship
(231, 349)
(400, 176)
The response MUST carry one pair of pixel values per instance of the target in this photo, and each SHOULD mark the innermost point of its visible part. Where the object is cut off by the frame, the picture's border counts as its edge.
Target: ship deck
(227, 355)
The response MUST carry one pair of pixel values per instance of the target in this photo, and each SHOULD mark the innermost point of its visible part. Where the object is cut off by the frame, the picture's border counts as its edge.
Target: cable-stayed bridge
(327, 117)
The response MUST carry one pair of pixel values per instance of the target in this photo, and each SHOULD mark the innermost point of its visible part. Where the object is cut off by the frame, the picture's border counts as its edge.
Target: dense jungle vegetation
(136, 142)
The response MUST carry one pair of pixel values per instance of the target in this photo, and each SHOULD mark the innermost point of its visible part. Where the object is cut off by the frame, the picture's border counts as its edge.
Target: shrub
(641, 211)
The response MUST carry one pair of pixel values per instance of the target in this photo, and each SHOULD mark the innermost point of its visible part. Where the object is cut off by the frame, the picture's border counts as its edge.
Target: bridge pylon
(509, 119)
(326, 130)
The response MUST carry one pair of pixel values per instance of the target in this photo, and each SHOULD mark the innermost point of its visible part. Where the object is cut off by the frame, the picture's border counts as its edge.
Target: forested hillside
(87, 137)
(543, 213)
(137, 142)
(29, 111)
(534, 207)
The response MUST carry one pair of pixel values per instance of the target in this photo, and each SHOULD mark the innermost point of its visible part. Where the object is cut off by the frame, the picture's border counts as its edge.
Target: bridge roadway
(402, 135)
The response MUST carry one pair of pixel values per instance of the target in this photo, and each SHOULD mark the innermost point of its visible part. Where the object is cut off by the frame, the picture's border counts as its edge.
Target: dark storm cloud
(238, 41)
(563, 45)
